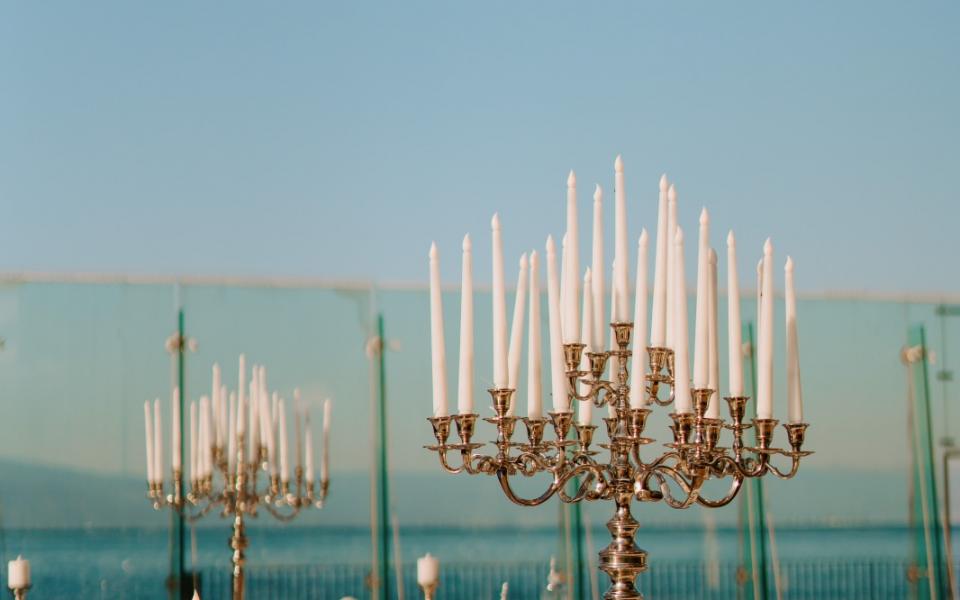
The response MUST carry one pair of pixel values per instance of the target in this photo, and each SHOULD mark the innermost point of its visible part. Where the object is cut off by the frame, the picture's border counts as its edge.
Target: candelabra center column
(239, 544)
(622, 560)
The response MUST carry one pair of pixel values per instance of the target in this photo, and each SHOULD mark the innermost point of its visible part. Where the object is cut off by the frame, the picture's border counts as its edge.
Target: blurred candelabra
(236, 469)
(675, 477)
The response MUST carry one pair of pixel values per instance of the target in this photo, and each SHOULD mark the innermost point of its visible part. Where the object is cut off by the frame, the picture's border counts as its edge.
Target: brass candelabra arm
(664, 475)
(660, 361)
(795, 434)
(210, 503)
(591, 488)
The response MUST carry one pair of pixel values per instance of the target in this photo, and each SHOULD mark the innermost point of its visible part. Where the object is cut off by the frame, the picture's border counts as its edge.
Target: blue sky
(337, 140)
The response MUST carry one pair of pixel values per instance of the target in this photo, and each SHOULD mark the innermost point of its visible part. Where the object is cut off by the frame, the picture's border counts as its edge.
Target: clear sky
(337, 140)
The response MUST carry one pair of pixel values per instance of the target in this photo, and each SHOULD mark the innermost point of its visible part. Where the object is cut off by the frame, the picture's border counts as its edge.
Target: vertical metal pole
(177, 524)
(384, 574)
(576, 525)
(758, 542)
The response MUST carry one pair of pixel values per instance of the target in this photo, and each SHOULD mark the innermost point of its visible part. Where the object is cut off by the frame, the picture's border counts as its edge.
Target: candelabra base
(622, 560)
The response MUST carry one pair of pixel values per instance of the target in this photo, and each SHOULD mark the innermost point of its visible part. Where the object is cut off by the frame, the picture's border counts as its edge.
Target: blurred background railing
(78, 358)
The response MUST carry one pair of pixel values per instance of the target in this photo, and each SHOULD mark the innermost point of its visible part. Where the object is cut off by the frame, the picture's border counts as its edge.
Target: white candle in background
(658, 324)
(571, 297)
(534, 348)
(756, 350)
(325, 459)
(428, 570)
(275, 419)
(596, 266)
(701, 358)
(558, 380)
(194, 439)
(232, 434)
(613, 364)
(500, 377)
(713, 379)
(794, 389)
(217, 400)
(585, 409)
(18, 573)
(284, 458)
(308, 444)
(242, 383)
(765, 359)
(622, 251)
(437, 349)
(563, 286)
(682, 400)
(465, 374)
(671, 263)
(148, 426)
(297, 407)
(516, 335)
(638, 360)
(203, 438)
(157, 441)
(254, 410)
(734, 335)
(266, 429)
(175, 461)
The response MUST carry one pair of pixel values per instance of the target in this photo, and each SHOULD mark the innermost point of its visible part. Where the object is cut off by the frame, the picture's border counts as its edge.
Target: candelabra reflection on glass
(238, 460)
(627, 470)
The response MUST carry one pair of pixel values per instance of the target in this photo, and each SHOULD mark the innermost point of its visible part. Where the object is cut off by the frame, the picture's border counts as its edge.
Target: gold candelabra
(239, 497)
(692, 458)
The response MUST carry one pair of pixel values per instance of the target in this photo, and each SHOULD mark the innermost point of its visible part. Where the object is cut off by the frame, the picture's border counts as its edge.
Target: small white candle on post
(571, 296)
(701, 366)
(534, 348)
(794, 389)
(621, 254)
(765, 359)
(585, 409)
(175, 444)
(682, 398)
(658, 320)
(713, 381)
(516, 335)
(500, 377)
(596, 266)
(148, 426)
(428, 570)
(638, 360)
(465, 374)
(18, 573)
(437, 350)
(558, 378)
(734, 334)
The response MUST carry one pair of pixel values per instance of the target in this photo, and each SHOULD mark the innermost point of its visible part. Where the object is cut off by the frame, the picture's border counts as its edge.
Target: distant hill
(36, 496)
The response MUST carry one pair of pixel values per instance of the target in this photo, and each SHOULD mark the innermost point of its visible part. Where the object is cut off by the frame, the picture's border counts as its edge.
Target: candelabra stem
(239, 544)
(622, 560)
(19, 593)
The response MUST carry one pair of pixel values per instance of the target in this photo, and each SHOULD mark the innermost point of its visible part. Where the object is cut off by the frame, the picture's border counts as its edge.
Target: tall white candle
(217, 400)
(500, 376)
(734, 335)
(284, 457)
(203, 438)
(254, 410)
(148, 426)
(585, 409)
(682, 399)
(558, 380)
(621, 253)
(18, 573)
(437, 349)
(638, 360)
(175, 446)
(308, 444)
(224, 396)
(465, 375)
(759, 305)
(266, 428)
(671, 263)
(571, 298)
(516, 334)
(765, 360)
(534, 348)
(241, 385)
(428, 570)
(157, 441)
(701, 359)
(232, 433)
(325, 458)
(713, 381)
(597, 267)
(613, 363)
(563, 286)
(794, 389)
(194, 440)
(658, 324)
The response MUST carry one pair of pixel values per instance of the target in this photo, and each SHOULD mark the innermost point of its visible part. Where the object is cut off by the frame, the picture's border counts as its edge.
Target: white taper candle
(701, 358)
(571, 279)
(658, 319)
(534, 347)
(284, 458)
(500, 377)
(148, 427)
(638, 360)
(621, 246)
(671, 264)
(794, 389)
(176, 462)
(713, 354)
(194, 440)
(465, 374)
(681, 359)
(765, 359)
(597, 267)
(516, 335)
(734, 333)
(437, 349)
(558, 380)
(585, 409)
(157, 441)
(325, 458)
